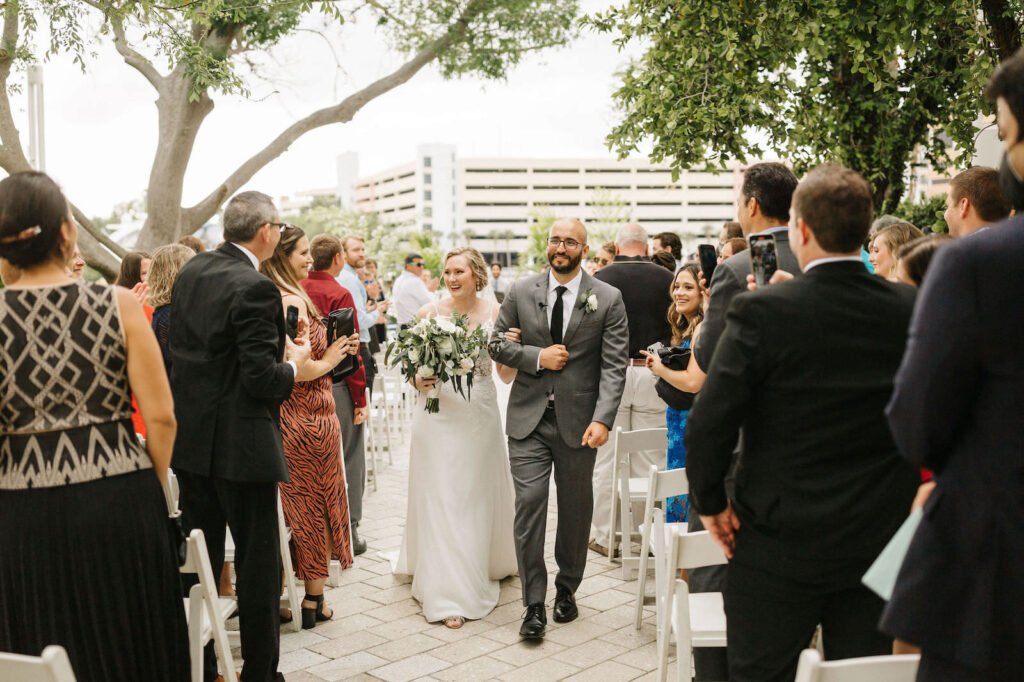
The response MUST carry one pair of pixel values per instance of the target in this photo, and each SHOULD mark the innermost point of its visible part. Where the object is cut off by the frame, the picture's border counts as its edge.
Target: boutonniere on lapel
(589, 301)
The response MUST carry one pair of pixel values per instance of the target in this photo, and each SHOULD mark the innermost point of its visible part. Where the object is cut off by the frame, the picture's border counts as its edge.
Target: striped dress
(316, 489)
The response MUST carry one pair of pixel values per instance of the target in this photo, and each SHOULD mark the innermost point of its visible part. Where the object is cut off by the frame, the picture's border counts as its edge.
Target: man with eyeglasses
(646, 294)
(409, 292)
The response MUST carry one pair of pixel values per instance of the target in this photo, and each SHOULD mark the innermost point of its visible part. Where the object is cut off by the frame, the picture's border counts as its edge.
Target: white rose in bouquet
(424, 371)
(446, 325)
(467, 364)
(414, 355)
(446, 347)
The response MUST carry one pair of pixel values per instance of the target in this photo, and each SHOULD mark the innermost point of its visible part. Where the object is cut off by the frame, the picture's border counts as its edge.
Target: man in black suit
(764, 202)
(805, 368)
(957, 410)
(227, 339)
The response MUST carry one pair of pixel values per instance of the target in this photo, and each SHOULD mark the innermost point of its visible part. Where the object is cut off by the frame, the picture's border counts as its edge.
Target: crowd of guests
(876, 372)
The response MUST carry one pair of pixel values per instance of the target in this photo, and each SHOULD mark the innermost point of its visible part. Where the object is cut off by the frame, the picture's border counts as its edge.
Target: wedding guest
(314, 496)
(354, 249)
(432, 283)
(818, 497)
(955, 410)
(134, 267)
(665, 260)
(410, 293)
(227, 339)
(605, 255)
(75, 569)
(167, 261)
(732, 247)
(882, 222)
(685, 315)
(730, 230)
(645, 293)
(498, 285)
(193, 242)
(76, 265)
(350, 394)
(975, 201)
(886, 243)
(668, 241)
(374, 284)
(914, 258)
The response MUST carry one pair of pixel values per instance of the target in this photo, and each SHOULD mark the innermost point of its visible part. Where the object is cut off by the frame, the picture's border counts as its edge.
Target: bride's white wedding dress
(458, 530)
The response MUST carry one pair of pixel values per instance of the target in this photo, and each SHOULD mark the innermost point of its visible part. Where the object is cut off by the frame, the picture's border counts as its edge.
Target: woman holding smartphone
(684, 317)
(314, 499)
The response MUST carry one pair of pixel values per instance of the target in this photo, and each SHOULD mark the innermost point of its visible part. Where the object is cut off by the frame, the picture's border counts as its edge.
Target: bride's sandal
(310, 616)
(454, 622)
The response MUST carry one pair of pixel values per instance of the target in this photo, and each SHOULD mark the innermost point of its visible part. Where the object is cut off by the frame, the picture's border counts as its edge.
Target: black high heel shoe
(310, 617)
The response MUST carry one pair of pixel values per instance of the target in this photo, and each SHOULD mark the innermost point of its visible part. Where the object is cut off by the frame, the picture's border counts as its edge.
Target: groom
(572, 368)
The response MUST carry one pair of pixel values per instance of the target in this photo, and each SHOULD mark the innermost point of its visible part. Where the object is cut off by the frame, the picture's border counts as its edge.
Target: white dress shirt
(568, 301)
(256, 264)
(831, 259)
(409, 295)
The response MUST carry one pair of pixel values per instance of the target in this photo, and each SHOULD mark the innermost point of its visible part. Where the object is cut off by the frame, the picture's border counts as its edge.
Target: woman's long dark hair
(682, 328)
(131, 269)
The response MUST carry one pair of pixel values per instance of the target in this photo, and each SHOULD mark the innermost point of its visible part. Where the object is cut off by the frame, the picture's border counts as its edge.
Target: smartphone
(708, 256)
(291, 322)
(764, 259)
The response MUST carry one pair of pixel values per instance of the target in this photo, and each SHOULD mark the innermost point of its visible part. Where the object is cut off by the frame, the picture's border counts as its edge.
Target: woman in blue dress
(684, 315)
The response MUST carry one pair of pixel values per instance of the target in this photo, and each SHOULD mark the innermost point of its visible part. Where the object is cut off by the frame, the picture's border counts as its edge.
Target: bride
(458, 532)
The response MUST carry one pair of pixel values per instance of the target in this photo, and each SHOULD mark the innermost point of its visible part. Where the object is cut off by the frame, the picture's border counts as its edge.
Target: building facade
(491, 202)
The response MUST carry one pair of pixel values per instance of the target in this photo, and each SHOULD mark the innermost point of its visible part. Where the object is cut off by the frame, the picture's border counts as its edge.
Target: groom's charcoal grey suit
(548, 413)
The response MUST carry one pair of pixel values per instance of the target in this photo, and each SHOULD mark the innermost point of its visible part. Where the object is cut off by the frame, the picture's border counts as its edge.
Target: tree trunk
(179, 122)
(1005, 31)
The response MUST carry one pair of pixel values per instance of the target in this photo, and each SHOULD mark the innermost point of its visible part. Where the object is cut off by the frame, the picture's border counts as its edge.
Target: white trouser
(641, 408)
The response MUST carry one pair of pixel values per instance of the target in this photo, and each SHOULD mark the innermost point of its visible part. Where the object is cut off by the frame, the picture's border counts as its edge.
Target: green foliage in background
(858, 83)
(536, 255)
(927, 213)
(382, 239)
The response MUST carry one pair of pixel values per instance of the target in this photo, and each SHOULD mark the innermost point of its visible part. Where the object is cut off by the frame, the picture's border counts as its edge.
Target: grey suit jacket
(590, 385)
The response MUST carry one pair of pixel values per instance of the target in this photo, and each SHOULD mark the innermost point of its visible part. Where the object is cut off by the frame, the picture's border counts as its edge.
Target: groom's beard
(574, 262)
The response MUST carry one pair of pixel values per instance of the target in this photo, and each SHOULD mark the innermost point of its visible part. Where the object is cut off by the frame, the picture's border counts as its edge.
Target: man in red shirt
(350, 394)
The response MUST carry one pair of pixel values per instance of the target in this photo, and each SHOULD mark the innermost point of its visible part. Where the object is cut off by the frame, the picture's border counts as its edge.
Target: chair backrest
(641, 439)
(666, 484)
(171, 492)
(52, 666)
(901, 668)
(694, 550)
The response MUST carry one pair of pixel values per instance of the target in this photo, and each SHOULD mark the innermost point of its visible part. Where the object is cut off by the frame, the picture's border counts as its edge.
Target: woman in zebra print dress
(314, 499)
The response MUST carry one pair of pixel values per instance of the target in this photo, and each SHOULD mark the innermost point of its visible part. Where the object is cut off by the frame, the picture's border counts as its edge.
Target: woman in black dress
(86, 559)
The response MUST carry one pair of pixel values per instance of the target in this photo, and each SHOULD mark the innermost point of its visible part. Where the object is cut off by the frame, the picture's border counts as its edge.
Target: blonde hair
(167, 261)
(477, 264)
(280, 271)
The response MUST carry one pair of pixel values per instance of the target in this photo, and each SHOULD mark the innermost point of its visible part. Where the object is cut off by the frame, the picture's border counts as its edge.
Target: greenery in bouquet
(442, 346)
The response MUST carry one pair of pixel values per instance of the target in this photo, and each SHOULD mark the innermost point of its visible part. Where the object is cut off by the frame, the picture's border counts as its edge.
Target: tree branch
(131, 56)
(342, 112)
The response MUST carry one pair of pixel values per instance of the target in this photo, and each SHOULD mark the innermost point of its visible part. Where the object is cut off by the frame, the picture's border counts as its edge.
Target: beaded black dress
(86, 559)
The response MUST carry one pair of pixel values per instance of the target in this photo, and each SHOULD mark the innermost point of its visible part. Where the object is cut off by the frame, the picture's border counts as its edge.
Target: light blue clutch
(881, 577)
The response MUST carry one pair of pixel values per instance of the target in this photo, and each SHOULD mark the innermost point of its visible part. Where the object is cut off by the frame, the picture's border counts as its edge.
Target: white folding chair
(626, 490)
(901, 668)
(696, 620)
(205, 611)
(661, 486)
(380, 405)
(371, 448)
(291, 599)
(52, 666)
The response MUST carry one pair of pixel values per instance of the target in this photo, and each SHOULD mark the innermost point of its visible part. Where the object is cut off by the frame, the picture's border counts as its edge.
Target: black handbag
(342, 323)
(178, 537)
(675, 358)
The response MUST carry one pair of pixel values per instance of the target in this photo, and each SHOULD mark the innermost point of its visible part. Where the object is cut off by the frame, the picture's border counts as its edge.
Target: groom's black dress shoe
(534, 622)
(565, 606)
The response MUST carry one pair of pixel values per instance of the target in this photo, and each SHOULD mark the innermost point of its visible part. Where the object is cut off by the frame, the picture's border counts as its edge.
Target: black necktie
(556, 316)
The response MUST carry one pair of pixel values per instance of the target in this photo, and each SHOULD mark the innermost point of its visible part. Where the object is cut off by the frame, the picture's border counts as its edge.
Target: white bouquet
(439, 346)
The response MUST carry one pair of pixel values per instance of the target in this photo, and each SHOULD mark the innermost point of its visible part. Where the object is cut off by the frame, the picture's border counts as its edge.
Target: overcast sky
(101, 125)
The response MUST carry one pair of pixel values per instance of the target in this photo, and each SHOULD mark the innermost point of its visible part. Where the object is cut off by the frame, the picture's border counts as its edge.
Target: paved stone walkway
(379, 633)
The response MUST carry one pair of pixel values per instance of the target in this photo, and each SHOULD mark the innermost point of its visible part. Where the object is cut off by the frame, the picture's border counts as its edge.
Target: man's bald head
(577, 230)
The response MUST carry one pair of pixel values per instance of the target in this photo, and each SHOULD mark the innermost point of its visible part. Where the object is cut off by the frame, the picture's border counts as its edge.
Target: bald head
(570, 227)
(632, 240)
(569, 248)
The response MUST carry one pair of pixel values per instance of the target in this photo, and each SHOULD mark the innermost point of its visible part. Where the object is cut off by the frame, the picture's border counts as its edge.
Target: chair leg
(641, 578)
(195, 632)
(626, 519)
(612, 513)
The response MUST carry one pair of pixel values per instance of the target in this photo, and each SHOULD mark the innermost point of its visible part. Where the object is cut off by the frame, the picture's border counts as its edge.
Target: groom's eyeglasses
(570, 244)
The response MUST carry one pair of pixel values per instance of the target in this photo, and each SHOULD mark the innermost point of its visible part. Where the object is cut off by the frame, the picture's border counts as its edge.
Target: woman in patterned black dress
(315, 500)
(86, 558)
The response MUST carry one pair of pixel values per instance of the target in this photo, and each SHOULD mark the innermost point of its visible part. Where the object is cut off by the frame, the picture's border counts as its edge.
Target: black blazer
(958, 408)
(806, 368)
(730, 280)
(228, 381)
(646, 294)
